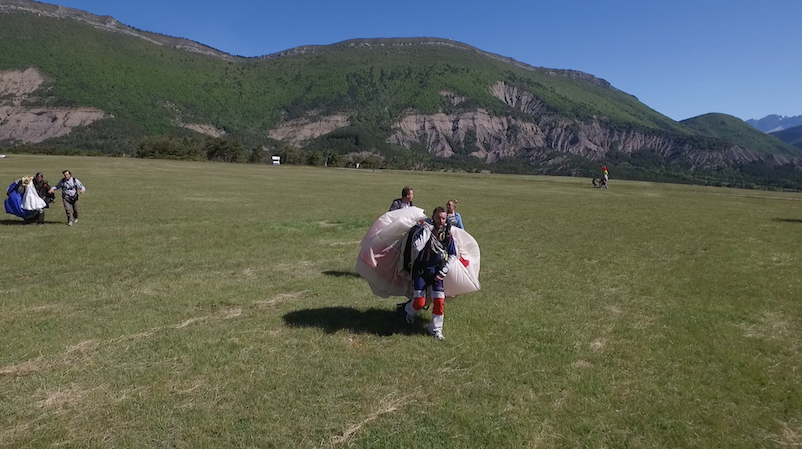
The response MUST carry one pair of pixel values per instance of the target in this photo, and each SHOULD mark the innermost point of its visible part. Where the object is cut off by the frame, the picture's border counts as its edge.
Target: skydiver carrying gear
(434, 253)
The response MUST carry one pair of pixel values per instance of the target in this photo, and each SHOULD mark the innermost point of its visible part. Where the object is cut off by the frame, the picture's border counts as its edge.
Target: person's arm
(459, 221)
(79, 186)
(57, 186)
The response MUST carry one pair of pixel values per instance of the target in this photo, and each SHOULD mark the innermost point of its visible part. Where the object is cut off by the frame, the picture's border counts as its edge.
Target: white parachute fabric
(379, 261)
(463, 276)
(31, 199)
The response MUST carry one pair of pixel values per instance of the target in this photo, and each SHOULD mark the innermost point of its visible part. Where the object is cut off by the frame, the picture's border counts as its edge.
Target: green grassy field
(215, 305)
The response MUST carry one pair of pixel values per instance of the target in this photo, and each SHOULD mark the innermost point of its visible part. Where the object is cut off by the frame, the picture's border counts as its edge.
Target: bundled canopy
(22, 199)
(380, 259)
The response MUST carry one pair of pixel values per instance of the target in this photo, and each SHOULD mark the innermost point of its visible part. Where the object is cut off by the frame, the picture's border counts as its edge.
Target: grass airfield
(215, 305)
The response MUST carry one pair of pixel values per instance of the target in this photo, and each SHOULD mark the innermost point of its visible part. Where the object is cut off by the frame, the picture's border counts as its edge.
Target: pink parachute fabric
(380, 260)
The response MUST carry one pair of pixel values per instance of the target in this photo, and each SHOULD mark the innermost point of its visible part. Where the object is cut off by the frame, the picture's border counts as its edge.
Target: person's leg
(75, 211)
(435, 328)
(418, 296)
(41, 217)
(68, 210)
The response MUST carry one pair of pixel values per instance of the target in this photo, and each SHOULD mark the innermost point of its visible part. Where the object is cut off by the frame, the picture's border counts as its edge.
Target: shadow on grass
(372, 321)
(341, 274)
(24, 223)
(16, 222)
(788, 220)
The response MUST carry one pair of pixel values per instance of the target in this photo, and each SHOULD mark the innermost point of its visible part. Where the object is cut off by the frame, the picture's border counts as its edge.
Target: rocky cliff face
(545, 137)
(33, 125)
(498, 137)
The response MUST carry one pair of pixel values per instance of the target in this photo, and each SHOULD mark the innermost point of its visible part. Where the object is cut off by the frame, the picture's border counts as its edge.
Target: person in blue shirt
(454, 218)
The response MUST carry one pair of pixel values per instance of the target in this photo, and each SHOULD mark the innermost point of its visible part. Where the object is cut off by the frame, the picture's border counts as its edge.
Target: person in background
(70, 188)
(43, 189)
(404, 201)
(454, 218)
(606, 177)
(436, 253)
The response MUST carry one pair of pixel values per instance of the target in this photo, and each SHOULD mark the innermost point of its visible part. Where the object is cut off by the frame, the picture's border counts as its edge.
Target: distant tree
(165, 147)
(315, 158)
(257, 156)
(224, 150)
(293, 156)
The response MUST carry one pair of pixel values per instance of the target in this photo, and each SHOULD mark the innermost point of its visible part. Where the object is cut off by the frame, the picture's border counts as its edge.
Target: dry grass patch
(389, 404)
(598, 345)
(189, 322)
(582, 364)
(772, 325)
(35, 310)
(282, 297)
(351, 243)
(228, 314)
(62, 400)
(300, 269)
(73, 355)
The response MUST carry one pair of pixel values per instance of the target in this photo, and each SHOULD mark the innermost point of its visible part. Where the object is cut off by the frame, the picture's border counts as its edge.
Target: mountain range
(71, 81)
(791, 136)
(773, 123)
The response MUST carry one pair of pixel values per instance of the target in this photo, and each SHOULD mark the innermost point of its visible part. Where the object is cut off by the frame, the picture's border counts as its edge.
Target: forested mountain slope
(69, 79)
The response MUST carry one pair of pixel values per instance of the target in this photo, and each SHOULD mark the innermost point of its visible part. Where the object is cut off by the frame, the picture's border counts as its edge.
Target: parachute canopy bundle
(23, 200)
(381, 259)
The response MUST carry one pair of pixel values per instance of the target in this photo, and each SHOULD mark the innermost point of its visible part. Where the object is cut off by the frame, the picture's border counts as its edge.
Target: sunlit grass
(215, 305)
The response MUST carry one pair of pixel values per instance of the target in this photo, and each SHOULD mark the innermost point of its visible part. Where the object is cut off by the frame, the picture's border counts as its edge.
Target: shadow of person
(788, 220)
(341, 274)
(15, 222)
(383, 323)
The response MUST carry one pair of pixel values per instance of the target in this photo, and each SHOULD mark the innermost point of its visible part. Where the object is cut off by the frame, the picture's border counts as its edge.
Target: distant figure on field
(454, 218)
(435, 253)
(70, 188)
(605, 176)
(405, 200)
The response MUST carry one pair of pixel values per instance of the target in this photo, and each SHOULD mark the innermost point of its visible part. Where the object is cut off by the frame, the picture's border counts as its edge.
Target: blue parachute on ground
(23, 201)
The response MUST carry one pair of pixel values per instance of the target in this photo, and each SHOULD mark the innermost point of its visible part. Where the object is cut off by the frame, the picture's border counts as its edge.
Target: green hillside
(147, 87)
(152, 90)
(737, 131)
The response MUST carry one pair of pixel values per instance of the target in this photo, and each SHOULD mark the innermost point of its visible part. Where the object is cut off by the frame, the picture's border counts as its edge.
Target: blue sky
(682, 58)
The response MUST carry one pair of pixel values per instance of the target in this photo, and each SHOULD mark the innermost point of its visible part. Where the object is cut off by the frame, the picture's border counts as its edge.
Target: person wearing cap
(70, 188)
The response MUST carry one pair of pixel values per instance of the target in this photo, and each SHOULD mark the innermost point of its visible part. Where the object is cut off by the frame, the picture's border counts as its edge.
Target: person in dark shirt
(43, 189)
(404, 201)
